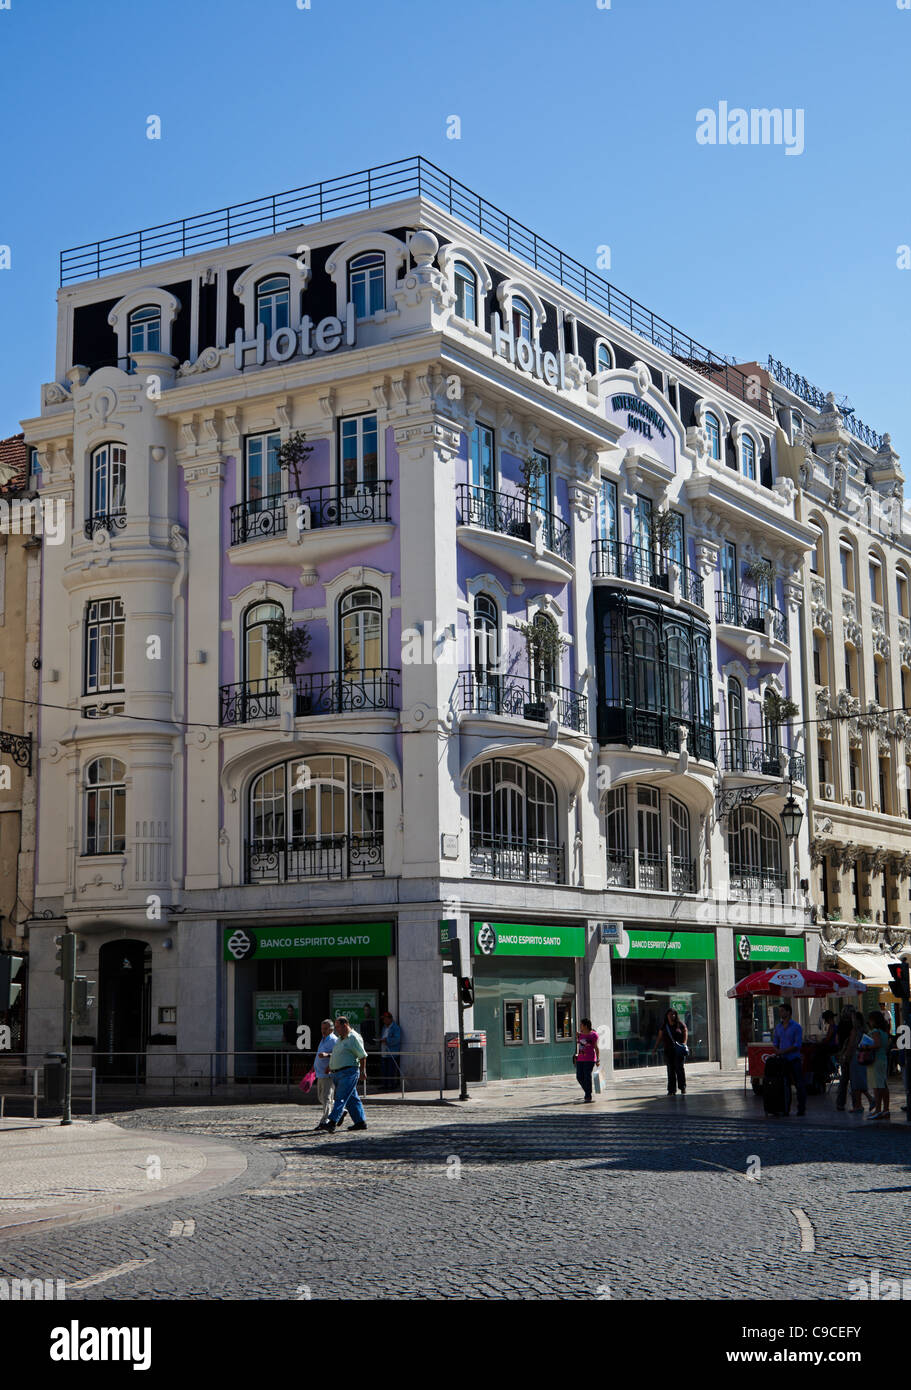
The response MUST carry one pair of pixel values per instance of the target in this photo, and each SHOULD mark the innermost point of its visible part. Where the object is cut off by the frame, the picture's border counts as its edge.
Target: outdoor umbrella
(790, 983)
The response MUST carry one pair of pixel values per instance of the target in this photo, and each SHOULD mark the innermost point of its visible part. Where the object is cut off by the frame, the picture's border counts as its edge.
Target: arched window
(466, 292)
(616, 833)
(754, 844)
(513, 818)
(748, 454)
(144, 330)
(705, 700)
(605, 362)
(360, 632)
(682, 870)
(487, 653)
(256, 642)
(105, 807)
(319, 816)
(545, 674)
(109, 481)
(713, 431)
(646, 675)
(273, 303)
(521, 319)
(679, 673)
(366, 283)
(737, 760)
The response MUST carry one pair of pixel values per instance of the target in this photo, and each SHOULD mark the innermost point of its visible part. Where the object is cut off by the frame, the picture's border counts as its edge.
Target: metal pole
(69, 999)
(93, 1091)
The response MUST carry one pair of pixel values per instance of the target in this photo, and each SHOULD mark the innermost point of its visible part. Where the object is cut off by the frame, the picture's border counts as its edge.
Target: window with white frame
(466, 292)
(713, 434)
(358, 454)
(145, 330)
(605, 360)
(522, 320)
(108, 480)
(366, 283)
(748, 456)
(263, 473)
(273, 303)
(360, 632)
(105, 807)
(105, 628)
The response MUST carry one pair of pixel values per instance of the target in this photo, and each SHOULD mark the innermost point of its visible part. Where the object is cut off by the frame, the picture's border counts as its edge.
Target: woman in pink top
(587, 1056)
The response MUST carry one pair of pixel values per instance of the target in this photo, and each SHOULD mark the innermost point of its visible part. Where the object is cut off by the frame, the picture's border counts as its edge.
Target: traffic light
(900, 979)
(85, 994)
(66, 956)
(9, 990)
(452, 963)
(466, 991)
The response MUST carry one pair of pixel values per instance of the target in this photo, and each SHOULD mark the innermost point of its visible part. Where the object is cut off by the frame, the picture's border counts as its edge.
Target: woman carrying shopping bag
(673, 1036)
(587, 1057)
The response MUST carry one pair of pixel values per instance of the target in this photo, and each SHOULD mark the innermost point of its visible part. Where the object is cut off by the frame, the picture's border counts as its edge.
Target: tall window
(481, 457)
(642, 526)
(675, 545)
(105, 807)
(145, 330)
(104, 635)
(541, 494)
(735, 725)
(748, 454)
(360, 632)
(486, 652)
(764, 590)
(847, 569)
(604, 358)
(263, 470)
(728, 559)
(754, 843)
(876, 582)
(256, 640)
(679, 819)
(651, 858)
(645, 658)
(615, 831)
(305, 818)
(109, 480)
(544, 672)
(521, 319)
(366, 283)
(359, 454)
(466, 292)
(607, 511)
(273, 303)
(713, 432)
(512, 802)
(901, 594)
(679, 673)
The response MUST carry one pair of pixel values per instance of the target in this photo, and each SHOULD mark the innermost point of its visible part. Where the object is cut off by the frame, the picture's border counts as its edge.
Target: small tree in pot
(533, 468)
(292, 455)
(777, 710)
(545, 647)
(288, 646)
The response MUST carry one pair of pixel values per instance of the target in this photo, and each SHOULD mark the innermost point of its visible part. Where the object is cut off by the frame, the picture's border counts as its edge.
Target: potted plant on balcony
(544, 646)
(777, 710)
(760, 571)
(291, 456)
(532, 468)
(288, 646)
(665, 530)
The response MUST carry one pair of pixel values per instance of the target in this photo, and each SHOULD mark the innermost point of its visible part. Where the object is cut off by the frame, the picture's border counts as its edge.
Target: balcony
(527, 541)
(516, 861)
(615, 560)
(310, 526)
(753, 881)
(623, 724)
(739, 616)
(751, 756)
(521, 697)
(650, 873)
(104, 521)
(292, 861)
(315, 693)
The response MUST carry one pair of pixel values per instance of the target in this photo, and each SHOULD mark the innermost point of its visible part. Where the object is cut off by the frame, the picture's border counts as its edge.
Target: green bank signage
(283, 943)
(520, 939)
(760, 949)
(666, 945)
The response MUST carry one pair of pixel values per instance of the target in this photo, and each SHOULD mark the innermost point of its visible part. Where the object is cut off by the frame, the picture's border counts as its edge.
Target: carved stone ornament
(207, 361)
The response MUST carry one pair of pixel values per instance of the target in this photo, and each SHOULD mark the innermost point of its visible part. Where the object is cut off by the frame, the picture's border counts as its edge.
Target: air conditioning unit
(857, 799)
(828, 791)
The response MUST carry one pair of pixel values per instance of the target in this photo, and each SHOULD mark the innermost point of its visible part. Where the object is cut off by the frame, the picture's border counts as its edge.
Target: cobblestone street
(520, 1202)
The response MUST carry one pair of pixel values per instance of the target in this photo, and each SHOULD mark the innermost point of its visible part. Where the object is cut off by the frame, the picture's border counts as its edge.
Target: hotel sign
(549, 367)
(640, 416)
(327, 335)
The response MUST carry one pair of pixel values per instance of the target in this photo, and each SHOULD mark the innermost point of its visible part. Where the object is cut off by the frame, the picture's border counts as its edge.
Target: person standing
(588, 1056)
(347, 1065)
(787, 1041)
(878, 1069)
(390, 1048)
(325, 1084)
(673, 1038)
(844, 1031)
(857, 1070)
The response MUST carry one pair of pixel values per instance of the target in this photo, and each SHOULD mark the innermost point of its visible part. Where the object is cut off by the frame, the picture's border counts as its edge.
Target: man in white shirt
(325, 1082)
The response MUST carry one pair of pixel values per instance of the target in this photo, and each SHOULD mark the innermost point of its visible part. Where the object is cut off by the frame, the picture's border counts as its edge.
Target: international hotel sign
(295, 942)
(526, 939)
(643, 423)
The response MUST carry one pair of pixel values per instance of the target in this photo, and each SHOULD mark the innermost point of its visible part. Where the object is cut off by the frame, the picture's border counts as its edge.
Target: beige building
(857, 672)
(20, 578)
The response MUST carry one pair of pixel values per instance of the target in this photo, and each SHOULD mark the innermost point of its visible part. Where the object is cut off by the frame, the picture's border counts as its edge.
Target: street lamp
(791, 818)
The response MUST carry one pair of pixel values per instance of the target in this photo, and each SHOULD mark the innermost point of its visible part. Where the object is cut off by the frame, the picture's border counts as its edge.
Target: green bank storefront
(526, 989)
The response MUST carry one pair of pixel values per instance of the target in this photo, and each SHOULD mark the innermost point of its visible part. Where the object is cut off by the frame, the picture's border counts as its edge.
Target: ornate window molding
(447, 258)
(298, 280)
(510, 289)
(395, 252)
(119, 318)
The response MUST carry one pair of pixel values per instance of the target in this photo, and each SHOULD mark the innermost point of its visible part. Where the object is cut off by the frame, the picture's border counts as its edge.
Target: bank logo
(241, 945)
(743, 947)
(487, 939)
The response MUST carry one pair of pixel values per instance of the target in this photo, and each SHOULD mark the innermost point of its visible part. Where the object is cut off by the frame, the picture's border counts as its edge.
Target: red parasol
(790, 983)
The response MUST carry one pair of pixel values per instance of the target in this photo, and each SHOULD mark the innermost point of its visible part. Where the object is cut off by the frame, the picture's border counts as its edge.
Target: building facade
(409, 578)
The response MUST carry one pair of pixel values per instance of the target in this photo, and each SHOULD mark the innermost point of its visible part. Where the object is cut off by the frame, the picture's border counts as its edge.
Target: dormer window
(748, 455)
(366, 283)
(145, 330)
(273, 303)
(521, 319)
(605, 363)
(466, 293)
(713, 432)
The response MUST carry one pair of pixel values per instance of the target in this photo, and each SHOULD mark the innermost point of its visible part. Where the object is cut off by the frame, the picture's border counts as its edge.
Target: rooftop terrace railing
(370, 188)
(799, 385)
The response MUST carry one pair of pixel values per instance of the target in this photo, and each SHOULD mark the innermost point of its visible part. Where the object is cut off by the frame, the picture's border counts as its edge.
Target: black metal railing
(753, 880)
(740, 610)
(652, 872)
(683, 875)
(510, 515)
(246, 701)
(623, 724)
(752, 755)
(619, 869)
(523, 697)
(104, 521)
(19, 748)
(317, 509)
(799, 386)
(617, 560)
(332, 692)
(374, 187)
(333, 857)
(648, 873)
(532, 861)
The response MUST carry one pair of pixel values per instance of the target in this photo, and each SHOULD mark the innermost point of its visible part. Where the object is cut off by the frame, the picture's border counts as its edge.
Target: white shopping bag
(597, 1083)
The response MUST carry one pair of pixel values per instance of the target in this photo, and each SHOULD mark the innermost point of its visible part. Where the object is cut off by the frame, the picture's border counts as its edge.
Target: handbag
(680, 1049)
(306, 1083)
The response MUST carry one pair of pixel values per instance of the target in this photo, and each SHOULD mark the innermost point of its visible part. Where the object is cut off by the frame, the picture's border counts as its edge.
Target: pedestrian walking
(825, 1051)
(878, 1068)
(843, 1032)
(325, 1083)
(788, 1041)
(673, 1038)
(588, 1055)
(347, 1065)
(856, 1068)
(390, 1050)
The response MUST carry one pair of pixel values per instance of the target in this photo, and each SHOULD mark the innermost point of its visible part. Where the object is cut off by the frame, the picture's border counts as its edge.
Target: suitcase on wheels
(776, 1093)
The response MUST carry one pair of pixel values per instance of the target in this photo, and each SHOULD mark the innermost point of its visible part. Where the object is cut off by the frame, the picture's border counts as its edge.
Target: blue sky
(579, 121)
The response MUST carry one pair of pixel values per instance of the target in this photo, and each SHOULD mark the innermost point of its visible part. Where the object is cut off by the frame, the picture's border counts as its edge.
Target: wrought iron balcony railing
(523, 697)
(752, 755)
(753, 880)
(316, 692)
(816, 398)
(532, 861)
(740, 610)
(510, 515)
(649, 873)
(623, 724)
(318, 508)
(104, 521)
(19, 747)
(616, 560)
(332, 857)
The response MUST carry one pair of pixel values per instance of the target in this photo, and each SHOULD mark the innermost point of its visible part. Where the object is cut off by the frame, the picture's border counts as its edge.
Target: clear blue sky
(580, 122)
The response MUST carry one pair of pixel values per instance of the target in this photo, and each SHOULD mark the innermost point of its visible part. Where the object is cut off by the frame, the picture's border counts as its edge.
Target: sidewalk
(51, 1175)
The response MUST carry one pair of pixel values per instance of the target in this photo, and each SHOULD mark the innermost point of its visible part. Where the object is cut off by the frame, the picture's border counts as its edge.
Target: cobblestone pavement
(564, 1201)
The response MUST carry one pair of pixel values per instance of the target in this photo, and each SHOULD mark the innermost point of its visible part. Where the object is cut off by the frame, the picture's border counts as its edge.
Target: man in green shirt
(347, 1064)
